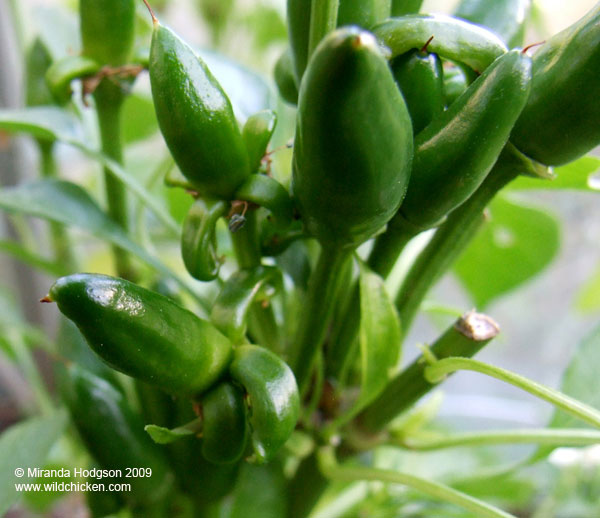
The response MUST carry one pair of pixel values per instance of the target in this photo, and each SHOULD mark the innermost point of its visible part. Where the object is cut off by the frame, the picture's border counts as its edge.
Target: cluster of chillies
(397, 126)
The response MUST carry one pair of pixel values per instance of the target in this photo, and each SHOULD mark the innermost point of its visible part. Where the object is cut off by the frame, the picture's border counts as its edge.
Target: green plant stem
(317, 311)
(343, 346)
(465, 338)
(58, 235)
(246, 246)
(438, 370)
(331, 469)
(323, 20)
(552, 437)
(453, 236)
(109, 98)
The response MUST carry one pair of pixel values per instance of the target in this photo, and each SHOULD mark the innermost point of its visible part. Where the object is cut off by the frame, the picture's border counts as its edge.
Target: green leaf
(516, 244)
(59, 30)
(260, 492)
(379, 335)
(582, 174)
(588, 299)
(67, 203)
(581, 381)
(44, 122)
(380, 339)
(32, 259)
(26, 445)
(162, 435)
(52, 123)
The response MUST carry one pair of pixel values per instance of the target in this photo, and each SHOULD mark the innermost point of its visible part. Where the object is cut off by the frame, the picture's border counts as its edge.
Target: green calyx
(195, 117)
(144, 334)
(349, 176)
(272, 397)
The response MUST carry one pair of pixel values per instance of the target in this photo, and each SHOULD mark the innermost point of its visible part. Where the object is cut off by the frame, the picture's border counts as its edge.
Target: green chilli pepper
(507, 18)
(195, 117)
(198, 239)
(420, 79)
(353, 145)
(284, 77)
(224, 429)
(272, 396)
(107, 30)
(403, 7)
(456, 151)
(560, 121)
(257, 134)
(112, 433)
(453, 39)
(144, 334)
(364, 13)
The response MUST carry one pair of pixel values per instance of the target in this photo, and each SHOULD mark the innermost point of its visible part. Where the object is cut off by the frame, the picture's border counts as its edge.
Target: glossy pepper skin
(456, 151)
(144, 334)
(112, 433)
(560, 121)
(195, 117)
(107, 30)
(420, 78)
(224, 430)
(272, 397)
(349, 176)
(507, 18)
(363, 13)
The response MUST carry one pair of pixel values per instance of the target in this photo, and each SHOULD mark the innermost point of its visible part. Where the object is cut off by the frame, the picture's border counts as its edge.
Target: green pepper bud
(420, 79)
(195, 117)
(454, 154)
(560, 121)
(272, 396)
(353, 146)
(144, 334)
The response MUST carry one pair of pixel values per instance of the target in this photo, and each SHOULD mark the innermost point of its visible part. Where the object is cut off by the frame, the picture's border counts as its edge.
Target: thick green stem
(317, 311)
(547, 436)
(262, 323)
(438, 370)
(331, 469)
(58, 235)
(465, 338)
(342, 346)
(306, 487)
(109, 98)
(323, 19)
(453, 236)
